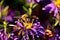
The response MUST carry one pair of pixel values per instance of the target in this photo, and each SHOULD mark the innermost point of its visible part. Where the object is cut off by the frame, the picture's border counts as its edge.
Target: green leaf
(17, 13)
(30, 11)
(25, 8)
(1, 2)
(1, 26)
(56, 22)
(34, 5)
(5, 11)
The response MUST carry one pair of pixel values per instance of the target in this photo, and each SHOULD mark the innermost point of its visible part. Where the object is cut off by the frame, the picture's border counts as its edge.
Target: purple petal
(9, 18)
(55, 38)
(31, 1)
(49, 5)
(31, 33)
(33, 37)
(15, 38)
(34, 30)
(42, 32)
(23, 38)
(38, 0)
(56, 11)
(19, 23)
(59, 37)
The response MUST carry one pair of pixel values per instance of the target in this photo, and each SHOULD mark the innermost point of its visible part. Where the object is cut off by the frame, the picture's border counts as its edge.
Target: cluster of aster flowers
(28, 27)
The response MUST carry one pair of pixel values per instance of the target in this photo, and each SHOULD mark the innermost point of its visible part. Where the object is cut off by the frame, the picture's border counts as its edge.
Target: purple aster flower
(35, 29)
(54, 7)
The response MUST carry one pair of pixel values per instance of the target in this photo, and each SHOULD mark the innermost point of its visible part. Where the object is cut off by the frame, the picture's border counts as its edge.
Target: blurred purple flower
(3, 35)
(30, 1)
(11, 12)
(10, 15)
(38, 1)
(9, 18)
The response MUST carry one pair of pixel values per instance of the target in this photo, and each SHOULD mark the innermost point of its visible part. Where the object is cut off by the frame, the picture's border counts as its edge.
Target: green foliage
(25, 9)
(1, 2)
(17, 13)
(29, 10)
(1, 26)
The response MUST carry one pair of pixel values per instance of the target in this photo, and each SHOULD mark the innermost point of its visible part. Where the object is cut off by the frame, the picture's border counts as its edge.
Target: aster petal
(1, 36)
(56, 11)
(55, 38)
(31, 33)
(59, 37)
(19, 23)
(49, 5)
(15, 38)
(26, 35)
(34, 30)
(41, 27)
(33, 37)
(38, 0)
(42, 32)
(23, 38)
(9, 18)
(50, 39)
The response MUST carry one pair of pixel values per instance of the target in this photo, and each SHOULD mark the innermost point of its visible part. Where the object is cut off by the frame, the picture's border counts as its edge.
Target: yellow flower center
(57, 3)
(49, 33)
(27, 25)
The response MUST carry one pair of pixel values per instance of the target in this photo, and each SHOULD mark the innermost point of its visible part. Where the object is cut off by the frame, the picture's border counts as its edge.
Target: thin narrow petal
(56, 11)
